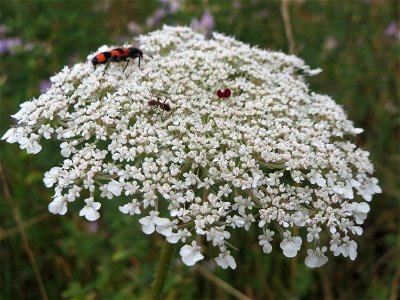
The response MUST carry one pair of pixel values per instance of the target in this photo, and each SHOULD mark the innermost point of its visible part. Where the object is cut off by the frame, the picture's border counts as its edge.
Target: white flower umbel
(273, 153)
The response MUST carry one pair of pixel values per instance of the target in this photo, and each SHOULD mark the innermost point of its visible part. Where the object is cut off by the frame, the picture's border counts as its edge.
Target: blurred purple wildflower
(237, 4)
(3, 29)
(205, 25)
(44, 85)
(156, 17)
(29, 46)
(9, 45)
(392, 30)
(134, 28)
(92, 227)
(173, 5)
(330, 43)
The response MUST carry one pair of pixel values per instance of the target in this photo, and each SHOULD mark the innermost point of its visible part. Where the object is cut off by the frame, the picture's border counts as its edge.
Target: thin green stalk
(162, 270)
(25, 243)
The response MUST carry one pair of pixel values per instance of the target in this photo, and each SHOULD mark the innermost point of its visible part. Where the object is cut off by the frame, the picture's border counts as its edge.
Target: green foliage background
(113, 259)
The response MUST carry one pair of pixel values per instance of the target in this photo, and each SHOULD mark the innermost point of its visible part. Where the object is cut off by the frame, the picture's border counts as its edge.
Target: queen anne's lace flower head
(273, 153)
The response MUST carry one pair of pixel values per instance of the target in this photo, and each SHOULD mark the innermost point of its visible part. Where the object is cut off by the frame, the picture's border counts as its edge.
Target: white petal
(321, 261)
(174, 238)
(114, 187)
(10, 135)
(354, 183)
(92, 215)
(366, 194)
(222, 262)
(363, 207)
(189, 260)
(197, 256)
(352, 253)
(164, 230)
(348, 193)
(148, 229)
(83, 211)
(23, 140)
(311, 261)
(161, 221)
(185, 250)
(96, 205)
(65, 152)
(145, 220)
(232, 262)
(191, 254)
(58, 206)
(320, 181)
(297, 241)
(48, 181)
(358, 230)
(125, 209)
(68, 134)
(63, 209)
(290, 252)
(267, 248)
(310, 237)
(33, 148)
(377, 189)
(289, 248)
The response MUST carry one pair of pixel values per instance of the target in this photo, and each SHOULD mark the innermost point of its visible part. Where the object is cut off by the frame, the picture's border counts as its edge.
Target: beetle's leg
(109, 61)
(127, 62)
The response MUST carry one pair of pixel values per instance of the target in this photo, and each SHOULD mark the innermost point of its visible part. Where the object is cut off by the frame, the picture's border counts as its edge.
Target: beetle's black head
(135, 52)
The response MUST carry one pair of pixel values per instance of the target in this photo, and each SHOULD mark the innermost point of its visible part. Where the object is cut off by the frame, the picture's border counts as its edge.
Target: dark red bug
(162, 105)
(117, 55)
(224, 94)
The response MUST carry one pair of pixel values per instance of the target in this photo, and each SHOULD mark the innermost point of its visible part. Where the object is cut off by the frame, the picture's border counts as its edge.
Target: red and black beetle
(117, 55)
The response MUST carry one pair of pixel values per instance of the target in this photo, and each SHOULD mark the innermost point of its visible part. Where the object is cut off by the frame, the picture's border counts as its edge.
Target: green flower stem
(162, 270)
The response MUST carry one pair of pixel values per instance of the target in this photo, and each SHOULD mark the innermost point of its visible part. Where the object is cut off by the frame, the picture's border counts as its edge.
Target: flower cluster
(274, 155)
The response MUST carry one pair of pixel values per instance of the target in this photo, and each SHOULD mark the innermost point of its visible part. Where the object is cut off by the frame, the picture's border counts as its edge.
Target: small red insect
(162, 105)
(224, 94)
(117, 55)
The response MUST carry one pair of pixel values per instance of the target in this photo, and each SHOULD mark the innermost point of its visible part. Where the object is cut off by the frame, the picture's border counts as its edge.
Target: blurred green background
(356, 43)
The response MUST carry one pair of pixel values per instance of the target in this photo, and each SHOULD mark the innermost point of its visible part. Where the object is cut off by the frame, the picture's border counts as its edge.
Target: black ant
(162, 105)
